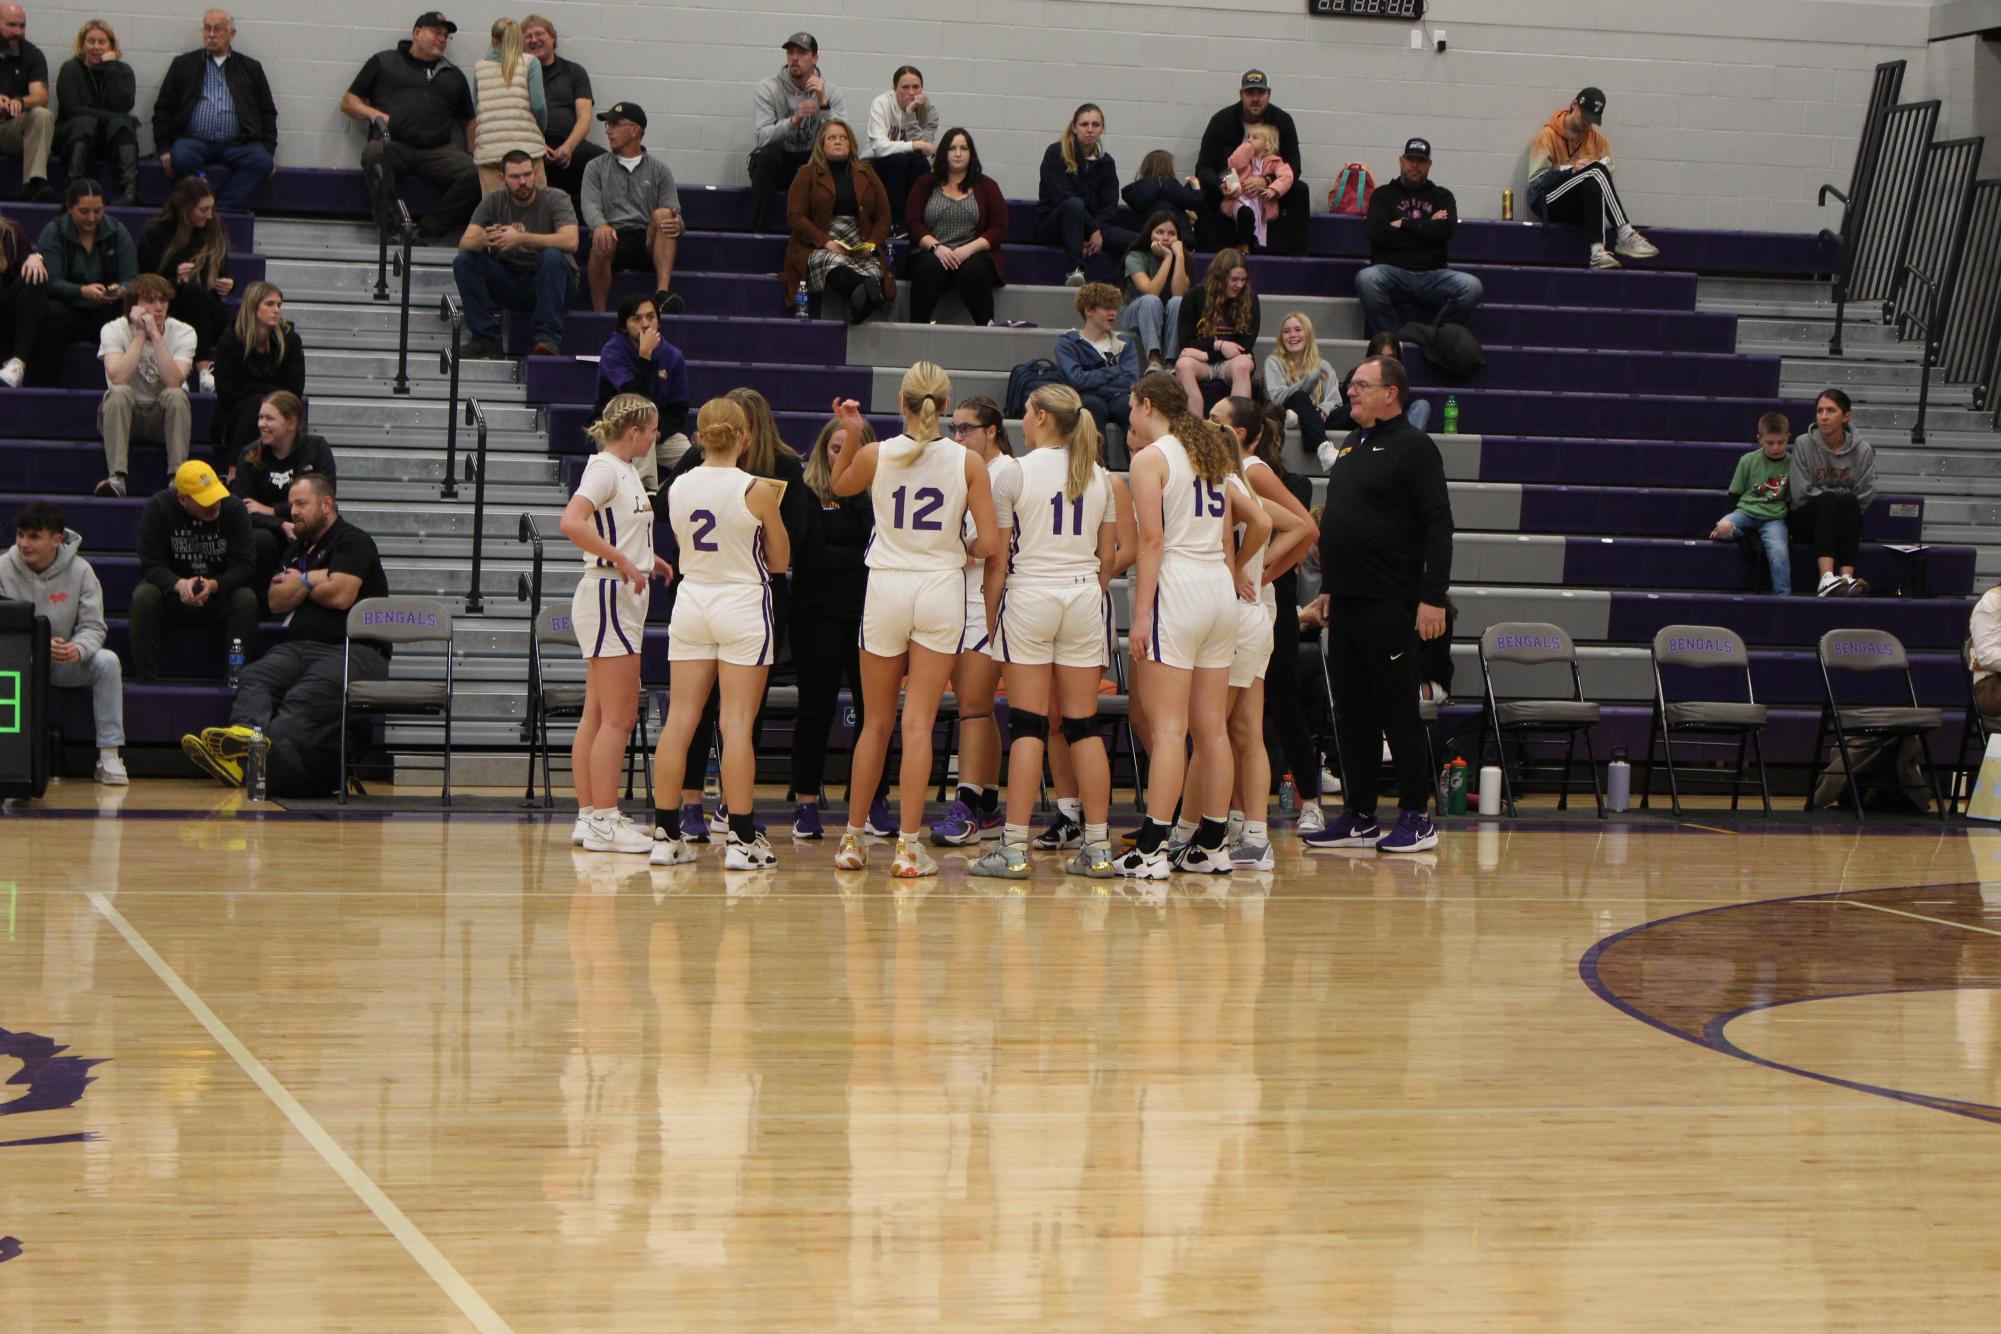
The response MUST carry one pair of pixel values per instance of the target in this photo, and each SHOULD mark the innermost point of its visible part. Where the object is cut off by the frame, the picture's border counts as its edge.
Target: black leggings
(1285, 715)
(1830, 523)
(825, 649)
(1372, 662)
(24, 307)
(203, 311)
(974, 280)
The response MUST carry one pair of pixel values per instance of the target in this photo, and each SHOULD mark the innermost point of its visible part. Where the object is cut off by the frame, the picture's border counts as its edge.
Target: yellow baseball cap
(198, 482)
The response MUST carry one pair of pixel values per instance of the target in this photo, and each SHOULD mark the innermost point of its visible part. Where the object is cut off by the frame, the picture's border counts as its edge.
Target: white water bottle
(1490, 789)
(1618, 782)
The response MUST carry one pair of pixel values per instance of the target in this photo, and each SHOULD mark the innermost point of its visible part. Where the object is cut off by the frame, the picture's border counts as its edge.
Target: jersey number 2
(929, 501)
(705, 523)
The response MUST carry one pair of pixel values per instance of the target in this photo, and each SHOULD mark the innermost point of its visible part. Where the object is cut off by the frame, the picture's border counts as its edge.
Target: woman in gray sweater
(1831, 482)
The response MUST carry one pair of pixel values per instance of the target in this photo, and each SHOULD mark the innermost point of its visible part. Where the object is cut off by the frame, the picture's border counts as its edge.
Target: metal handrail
(450, 311)
(1928, 325)
(409, 235)
(528, 589)
(476, 474)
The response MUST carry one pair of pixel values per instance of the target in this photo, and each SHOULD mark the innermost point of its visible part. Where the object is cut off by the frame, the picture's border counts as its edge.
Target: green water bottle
(1451, 415)
(1456, 801)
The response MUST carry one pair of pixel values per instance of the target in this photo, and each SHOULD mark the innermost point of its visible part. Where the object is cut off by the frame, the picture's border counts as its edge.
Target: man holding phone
(197, 566)
(791, 106)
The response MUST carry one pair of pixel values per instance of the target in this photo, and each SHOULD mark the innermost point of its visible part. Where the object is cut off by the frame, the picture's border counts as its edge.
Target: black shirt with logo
(19, 69)
(341, 549)
(426, 103)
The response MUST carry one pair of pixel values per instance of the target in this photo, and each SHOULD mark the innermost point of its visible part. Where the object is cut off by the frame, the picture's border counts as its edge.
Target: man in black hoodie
(417, 106)
(1225, 131)
(1410, 223)
(1386, 562)
(197, 566)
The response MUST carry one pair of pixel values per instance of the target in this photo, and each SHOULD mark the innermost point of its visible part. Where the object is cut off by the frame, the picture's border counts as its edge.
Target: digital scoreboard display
(1407, 11)
(24, 690)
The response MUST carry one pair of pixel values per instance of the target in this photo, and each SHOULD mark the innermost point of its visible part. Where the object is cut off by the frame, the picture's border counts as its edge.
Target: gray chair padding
(1514, 712)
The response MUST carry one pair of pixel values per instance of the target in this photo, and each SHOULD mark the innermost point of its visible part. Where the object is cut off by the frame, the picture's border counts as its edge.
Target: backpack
(1353, 187)
(1024, 380)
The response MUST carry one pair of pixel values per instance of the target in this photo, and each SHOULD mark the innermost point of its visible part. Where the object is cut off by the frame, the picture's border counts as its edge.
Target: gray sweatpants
(106, 679)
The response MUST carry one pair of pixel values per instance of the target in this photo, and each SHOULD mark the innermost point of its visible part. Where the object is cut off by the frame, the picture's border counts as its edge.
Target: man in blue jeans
(1411, 221)
(215, 106)
(517, 253)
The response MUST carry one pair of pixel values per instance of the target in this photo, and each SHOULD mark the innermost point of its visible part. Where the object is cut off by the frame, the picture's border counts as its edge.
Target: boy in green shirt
(1758, 489)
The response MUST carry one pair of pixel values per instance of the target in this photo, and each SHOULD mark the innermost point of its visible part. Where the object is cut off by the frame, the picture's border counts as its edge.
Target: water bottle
(257, 765)
(235, 662)
(800, 301)
(1490, 789)
(1445, 788)
(1618, 781)
(1451, 415)
(1288, 797)
(1458, 806)
(712, 779)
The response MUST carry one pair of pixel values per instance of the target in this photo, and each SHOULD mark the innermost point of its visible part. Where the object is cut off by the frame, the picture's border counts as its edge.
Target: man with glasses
(1386, 556)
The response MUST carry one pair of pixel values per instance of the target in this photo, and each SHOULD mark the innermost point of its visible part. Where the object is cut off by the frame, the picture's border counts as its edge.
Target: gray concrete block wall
(1721, 113)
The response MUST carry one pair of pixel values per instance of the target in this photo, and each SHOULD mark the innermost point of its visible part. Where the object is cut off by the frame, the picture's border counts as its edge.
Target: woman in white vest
(922, 485)
(510, 108)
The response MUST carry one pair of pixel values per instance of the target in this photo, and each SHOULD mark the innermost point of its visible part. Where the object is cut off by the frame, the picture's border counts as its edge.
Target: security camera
(1440, 44)
(1438, 39)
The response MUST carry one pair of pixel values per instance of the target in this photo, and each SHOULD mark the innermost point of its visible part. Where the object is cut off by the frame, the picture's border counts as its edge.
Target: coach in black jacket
(1226, 130)
(1385, 562)
(215, 107)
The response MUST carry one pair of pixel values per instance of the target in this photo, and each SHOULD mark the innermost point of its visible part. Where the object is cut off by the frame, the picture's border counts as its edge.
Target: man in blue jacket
(1101, 366)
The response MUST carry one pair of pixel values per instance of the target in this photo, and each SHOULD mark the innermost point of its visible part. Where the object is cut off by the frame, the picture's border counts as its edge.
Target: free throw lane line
(419, 1246)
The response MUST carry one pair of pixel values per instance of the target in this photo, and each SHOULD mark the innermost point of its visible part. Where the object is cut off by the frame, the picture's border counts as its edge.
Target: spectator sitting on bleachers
(957, 218)
(1078, 195)
(1155, 186)
(264, 470)
(791, 109)
(1831, 481)
(1983, 647)
(633, 210)
(418, 106)
(638, 359)
(511, 110)
(1219, 329)
(197, 565)
(1570, 180)
(1156, 279)
(1101, 366)
(1296, 377)
(45, 566)
(146, 356)
(97, 91)
(294, 692)
(902, 134)
(1411, 222)
(27, 127)
(87, 258)
(24, 308)
(838, 214)
(1758, 497)
(213, 107)
(1223, 134)
(189, 247)
(517, 254)
(260, 354)
(566, 89)
(1255, 161)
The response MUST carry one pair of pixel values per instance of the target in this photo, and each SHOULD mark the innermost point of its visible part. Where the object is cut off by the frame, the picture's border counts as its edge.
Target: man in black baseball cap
(417, 105)
(791, 106)
(1411, 221)
(1224, 132)
(1570, 180)
(632, 212)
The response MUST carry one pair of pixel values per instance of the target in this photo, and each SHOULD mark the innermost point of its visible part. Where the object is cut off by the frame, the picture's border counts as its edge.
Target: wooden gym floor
(310, 1073)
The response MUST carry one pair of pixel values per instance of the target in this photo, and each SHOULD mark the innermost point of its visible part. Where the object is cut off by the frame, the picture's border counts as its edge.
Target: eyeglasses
(1363, 384)
(966, 428)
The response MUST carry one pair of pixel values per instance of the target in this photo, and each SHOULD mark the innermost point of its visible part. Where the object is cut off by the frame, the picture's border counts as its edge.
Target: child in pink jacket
(1257, 156)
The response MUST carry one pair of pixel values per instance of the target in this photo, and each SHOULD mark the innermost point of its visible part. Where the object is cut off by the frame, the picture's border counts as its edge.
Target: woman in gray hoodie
(44, 567)
(1831, 482)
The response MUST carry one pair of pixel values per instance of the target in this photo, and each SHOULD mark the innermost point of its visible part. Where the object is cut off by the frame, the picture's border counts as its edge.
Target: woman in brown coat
(839, 216)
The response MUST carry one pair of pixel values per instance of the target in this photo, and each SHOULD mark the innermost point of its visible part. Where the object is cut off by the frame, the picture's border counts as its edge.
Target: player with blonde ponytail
(922, 485)
(611, 519)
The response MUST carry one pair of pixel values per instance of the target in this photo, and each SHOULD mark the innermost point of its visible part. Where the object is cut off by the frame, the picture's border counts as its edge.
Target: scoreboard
(1405, 11)
(24, 695)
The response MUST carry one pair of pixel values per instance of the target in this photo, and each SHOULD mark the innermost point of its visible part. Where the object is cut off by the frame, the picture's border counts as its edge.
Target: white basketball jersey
(920, 500)
(1055, 538)
(624, 514)
(1191, 510)
(721, 541)
(1255, 566)
(999, 467)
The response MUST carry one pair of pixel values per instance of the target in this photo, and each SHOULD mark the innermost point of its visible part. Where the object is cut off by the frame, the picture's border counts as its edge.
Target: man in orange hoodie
(1570, 180)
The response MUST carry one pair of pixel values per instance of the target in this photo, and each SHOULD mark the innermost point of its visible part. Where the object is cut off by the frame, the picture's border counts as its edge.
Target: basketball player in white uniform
(974, 813)
(1188, 497)
(726, 524)
(611, 519)
(1056, 513)
(921, 485)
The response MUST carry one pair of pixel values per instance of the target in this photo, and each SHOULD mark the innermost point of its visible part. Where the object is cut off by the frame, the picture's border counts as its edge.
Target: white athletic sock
(1184, 830)
(854, 831)
(1625, 230)
(586, 812)
(1072, 808)
(1237, 815)
(1097, 833)
(1255, 831)
(1016, 834)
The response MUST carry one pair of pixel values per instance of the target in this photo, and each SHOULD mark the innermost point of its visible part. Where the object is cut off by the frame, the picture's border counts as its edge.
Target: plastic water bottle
(1618, 781)
(1459, 773)
(235, 662)
(1451, 415)
(1288, 797)
(712, 779)
(257, 769)
(1445, 788)
(800, 302)
(1490, 789)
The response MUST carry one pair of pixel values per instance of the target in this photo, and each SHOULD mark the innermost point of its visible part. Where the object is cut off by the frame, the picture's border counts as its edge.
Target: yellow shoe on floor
(206, 752)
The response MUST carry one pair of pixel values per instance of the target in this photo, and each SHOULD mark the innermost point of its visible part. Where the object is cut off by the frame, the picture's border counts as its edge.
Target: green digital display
(10, 703)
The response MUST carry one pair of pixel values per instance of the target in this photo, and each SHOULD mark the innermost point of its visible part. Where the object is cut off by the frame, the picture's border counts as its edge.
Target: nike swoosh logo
(1395, 656)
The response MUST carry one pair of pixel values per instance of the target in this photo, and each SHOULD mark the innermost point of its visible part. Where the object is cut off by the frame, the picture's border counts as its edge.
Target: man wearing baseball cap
(632, 210)
(790, 107)
(1570, 180)
(1225, 131)
(417, 106)
(197, 567)
(1411, 220)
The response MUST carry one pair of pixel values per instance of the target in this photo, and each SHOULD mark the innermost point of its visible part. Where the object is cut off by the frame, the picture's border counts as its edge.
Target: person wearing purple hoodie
(638, 359)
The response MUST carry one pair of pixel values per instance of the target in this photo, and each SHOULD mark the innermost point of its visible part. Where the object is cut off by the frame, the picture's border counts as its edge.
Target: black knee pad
(1026, 724)
(1079, 729)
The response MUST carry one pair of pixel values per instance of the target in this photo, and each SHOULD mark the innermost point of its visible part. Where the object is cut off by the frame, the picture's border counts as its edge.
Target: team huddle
(977, 565)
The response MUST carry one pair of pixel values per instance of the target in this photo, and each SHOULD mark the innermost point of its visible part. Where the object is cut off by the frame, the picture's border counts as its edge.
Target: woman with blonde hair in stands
(1219, 327)
(839, 215)
(611, 519)
(259, 354)
(1190, 498)
(95, 92)
(1059, 520)
(511, 110)
(1077, 195)
(922, 485)
(726, 526)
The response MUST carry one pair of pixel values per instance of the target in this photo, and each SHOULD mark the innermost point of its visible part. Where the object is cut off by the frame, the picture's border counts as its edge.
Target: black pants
(974, 280)
(232, 615)
(65, 324)
(1286, 738)
(1372, 662)
(1830, 523)
(203, 311)
(899, 173)
(1588, 199)
(1313, 428)
(293, 693)
(771, 171)
(237, 426)
(448, 167)
(24, 309)
(570, 179)
(825, 651)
